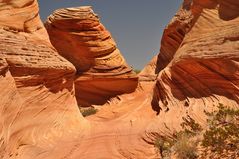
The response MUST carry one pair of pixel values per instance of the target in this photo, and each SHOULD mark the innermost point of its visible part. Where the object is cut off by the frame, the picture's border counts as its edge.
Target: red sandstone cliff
(196, 69)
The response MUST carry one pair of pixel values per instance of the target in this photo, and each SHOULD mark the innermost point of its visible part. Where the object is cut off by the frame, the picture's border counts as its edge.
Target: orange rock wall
(37, 91)
(203, 69)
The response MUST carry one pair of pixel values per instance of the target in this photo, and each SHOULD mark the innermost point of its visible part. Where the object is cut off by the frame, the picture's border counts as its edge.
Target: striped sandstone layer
(198, 61)
(37, 93)
(196, 69)
(102, 72)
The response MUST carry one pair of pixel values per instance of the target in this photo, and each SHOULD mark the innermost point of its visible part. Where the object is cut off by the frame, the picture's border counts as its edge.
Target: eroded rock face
(149, 72)
(198, 61)
(21, 16)
(197, 68)
(37, 92)
(102, 72)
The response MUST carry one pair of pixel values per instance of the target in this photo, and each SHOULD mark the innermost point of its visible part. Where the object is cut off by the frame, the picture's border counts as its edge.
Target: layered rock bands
(197, 68)
(36, 83)
(198, 60)
(101, 69)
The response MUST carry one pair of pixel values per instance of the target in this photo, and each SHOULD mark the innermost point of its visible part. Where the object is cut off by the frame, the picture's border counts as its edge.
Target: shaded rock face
(37, 92)
(198, 61)
(102, 72)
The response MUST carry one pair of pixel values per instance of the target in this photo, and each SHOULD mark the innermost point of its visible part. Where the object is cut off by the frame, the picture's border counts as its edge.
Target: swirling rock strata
(21, 16)
(198, 61)
(196, 69)
(102, 72)
(37, 92)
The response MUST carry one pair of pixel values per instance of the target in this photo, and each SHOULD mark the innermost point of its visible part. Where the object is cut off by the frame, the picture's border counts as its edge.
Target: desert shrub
(137, 71)
(185, 147)
(186, 144)
(88, 111)
(220, 138)
(163, 146)
(222, 134)
(182, 145)
(182, 142)
(190, 126)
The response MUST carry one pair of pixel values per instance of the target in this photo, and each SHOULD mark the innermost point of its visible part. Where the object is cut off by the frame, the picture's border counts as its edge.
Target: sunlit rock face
(21, 16)
(102, 72)
(198, 61)
(149, 73)
(36, 83)
(196, 69)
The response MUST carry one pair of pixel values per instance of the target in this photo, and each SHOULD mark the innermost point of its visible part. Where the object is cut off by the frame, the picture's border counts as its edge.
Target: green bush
(223, 132)
(182, 143)
(88, 111)
(163, 146)
(190, 126)
(137, 71)
(220, 138)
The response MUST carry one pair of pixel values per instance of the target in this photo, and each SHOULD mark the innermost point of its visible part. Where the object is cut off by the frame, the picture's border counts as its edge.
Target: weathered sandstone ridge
(21, 16)
(37, 92)
(197, 68)
(198, 61)
(101, 69)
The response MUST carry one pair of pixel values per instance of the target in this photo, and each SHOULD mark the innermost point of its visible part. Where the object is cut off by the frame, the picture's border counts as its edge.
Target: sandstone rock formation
(101, 69)
(37, 96)
(149, 73)
(21, 16)
(196, 69)
(198, 60)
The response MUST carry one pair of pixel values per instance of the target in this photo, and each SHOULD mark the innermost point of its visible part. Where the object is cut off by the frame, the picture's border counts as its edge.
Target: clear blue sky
(136, 25)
